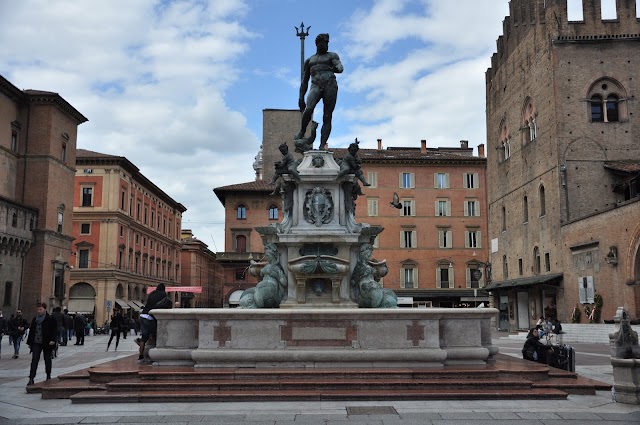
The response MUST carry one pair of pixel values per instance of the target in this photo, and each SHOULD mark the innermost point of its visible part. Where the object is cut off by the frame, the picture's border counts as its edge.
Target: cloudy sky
(178, 87)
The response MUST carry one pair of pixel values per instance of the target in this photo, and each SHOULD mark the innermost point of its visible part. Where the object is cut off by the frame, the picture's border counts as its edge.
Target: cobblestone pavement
(17, 407)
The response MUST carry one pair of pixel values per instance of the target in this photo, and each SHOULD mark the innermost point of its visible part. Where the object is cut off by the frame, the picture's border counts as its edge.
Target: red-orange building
(434, 244)
(127, 237)
(199, 268)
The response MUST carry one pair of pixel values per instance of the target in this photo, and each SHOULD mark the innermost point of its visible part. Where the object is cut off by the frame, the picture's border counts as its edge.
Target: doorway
(523, 310)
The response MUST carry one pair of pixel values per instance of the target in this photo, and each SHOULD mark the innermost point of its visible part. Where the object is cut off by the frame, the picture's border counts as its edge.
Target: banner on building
(194, 289)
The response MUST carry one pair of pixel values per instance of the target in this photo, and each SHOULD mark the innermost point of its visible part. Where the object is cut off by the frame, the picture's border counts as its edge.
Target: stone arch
(119, 291)
(82, 298)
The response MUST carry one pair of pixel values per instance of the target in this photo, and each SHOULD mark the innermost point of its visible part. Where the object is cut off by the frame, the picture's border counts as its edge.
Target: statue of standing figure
(321, 68)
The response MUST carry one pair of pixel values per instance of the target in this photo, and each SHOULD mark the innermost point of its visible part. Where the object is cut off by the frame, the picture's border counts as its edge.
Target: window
(83, 258)
(547, 262)
(543, 201)
(120, 259)
(597, 114)
(520, 268)
(504, 219)
(574, 11)
(444, 275)
(14, 220)
(14, 141)
(472, 239)
(372, 178)
(408, 208)
(471, 180)
(85, 228)
(607, 101)
(273, 212)
(144, 242)
(87, 196)
(123, 197)
(611, 108)
(131, 206)
(525, 209)
(138, 210)
(372, 207)
(444, 238)
(63, 153)
(441, 180)
(536, 260)
(241, 243)
(474, 276)
(529, 126)
(146, 213)
(241, 212)
(408, 239)
(471, 208)
(505, 267)
(408, 277)
(8, 293)
(608, 10)
(407, 180)
(506, 150)
(60, 220)
(240, 274)
(122, 231)
(443, 208)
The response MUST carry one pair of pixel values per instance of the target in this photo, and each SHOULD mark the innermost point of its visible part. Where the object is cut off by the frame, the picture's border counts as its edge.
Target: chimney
(379, 144)
(423, 146)
(464, 144)
(481, 150)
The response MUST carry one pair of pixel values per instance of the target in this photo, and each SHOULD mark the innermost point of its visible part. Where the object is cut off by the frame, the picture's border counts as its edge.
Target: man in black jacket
(148, 326)
(79, 324)
(58, 316)
(17, 326)
(43, 335)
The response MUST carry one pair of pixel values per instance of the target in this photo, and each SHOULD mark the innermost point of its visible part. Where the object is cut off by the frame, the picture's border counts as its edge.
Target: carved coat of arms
(318, 206)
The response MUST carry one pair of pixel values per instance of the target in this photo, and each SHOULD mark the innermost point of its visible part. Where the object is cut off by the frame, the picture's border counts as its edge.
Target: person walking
(58, 316)
(17, 326)
(43, 335)
(116, 327)
(4, 328)
(148, 325)
(79, 324)
(68, 323)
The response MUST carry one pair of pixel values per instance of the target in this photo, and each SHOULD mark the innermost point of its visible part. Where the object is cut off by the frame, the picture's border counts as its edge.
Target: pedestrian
(68, 323)
(43, 334)
(148, 325)
(125, 326)
(79, 324)
(58, 315)
(17, 326)
(115, 326)
(4, 328)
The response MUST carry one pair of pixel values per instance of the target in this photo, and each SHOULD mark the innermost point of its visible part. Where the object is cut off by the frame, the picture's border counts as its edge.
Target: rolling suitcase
(564, 357)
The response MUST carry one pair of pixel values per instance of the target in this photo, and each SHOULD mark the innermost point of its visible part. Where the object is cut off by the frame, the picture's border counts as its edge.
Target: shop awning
(420, 294)
(123, 305)
(134, 306)
(81, 305)
(549, 279)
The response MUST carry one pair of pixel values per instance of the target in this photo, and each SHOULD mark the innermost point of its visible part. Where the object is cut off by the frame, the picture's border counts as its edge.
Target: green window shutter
(402, 244)
(449, 239)
(413, 208)
(415, 277)
(452, 281)
(447, 183)
(448, 208)
(402, 280)
(466, 239)
(414, 239)
(468, 277)
(466, 208)
(477, 208)
(476, 181)
(478, 239)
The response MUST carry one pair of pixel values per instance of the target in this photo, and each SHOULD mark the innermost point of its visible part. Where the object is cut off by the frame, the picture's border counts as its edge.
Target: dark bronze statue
(321, 68)
(285, 166)
(351, 164)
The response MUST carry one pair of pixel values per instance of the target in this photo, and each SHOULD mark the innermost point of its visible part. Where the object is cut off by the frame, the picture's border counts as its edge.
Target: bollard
(91, 332)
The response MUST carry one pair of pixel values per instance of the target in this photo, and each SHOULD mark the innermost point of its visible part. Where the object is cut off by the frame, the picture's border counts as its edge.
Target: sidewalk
(17, 407)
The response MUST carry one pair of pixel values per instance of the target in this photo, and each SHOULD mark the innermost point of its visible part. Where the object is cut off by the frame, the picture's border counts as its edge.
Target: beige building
(564, 162)
(127, 237)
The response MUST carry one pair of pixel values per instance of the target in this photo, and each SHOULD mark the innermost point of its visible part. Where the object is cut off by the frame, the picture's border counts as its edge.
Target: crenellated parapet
(551, 17)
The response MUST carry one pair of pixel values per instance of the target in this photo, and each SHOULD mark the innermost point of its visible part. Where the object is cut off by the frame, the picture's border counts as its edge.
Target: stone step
(316, 395)
(135, 385)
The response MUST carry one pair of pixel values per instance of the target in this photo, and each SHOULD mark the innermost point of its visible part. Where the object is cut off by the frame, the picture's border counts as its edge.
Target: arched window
(241, 243)
(506, 150)
(504, 142)
(536, 260)
(607, 101)
(543, 206)
(525, 209)
(529, 126)
(273, 212)
(241, 212)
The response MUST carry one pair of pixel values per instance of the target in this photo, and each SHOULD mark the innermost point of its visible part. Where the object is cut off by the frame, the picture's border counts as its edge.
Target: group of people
(536, 350)
(47, 331)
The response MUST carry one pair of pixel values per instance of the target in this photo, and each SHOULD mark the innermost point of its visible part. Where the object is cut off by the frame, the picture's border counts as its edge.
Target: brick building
(37, 165)
(199, 268)
(564, 161)
(433, 244)
(127, 237)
